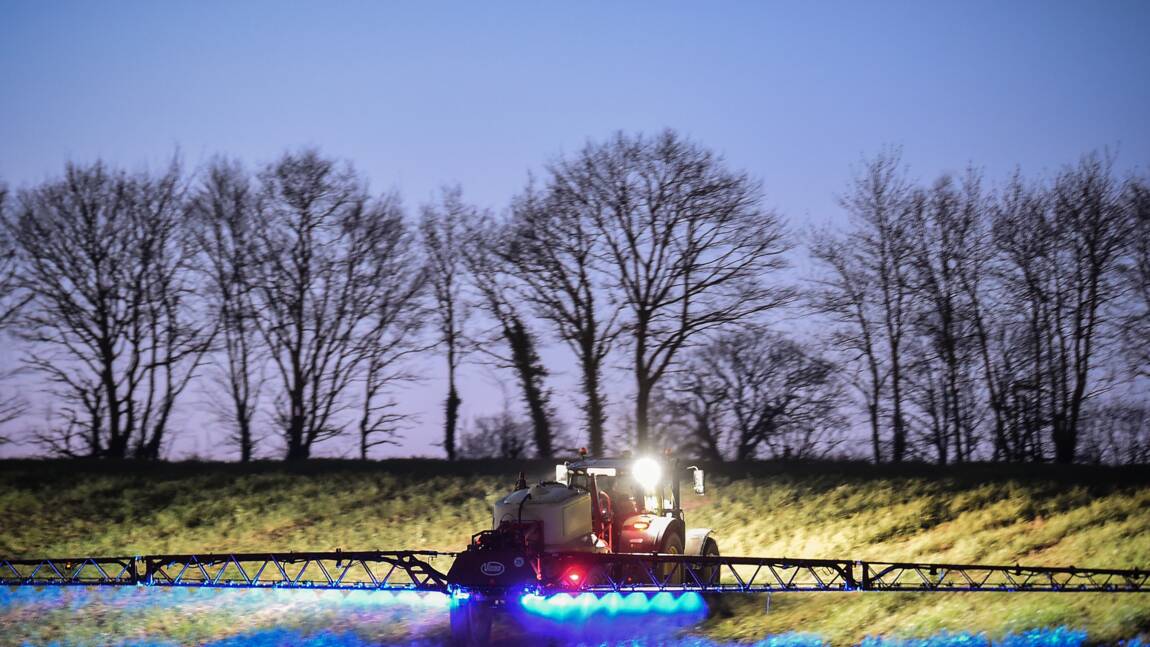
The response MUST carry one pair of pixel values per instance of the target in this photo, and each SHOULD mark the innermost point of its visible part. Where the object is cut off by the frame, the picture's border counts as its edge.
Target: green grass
(1037, 515)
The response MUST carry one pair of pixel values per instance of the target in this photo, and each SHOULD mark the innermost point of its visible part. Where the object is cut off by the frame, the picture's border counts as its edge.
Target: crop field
(991, 514)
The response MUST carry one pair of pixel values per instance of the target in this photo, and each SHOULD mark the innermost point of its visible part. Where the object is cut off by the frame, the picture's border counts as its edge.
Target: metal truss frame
(653, 573)
(83, 571)
(601, 573)
(371, 570)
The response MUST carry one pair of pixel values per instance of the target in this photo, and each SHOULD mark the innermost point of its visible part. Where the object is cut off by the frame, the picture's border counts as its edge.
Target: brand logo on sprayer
(492, 568)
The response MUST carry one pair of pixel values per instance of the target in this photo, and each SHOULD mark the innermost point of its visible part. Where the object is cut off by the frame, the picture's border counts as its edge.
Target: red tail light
(573, 577)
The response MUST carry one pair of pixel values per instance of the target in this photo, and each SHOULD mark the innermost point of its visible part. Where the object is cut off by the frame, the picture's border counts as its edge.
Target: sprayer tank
(564, 512)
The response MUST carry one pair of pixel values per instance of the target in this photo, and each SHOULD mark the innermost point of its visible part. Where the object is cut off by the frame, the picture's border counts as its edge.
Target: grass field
(994, 514)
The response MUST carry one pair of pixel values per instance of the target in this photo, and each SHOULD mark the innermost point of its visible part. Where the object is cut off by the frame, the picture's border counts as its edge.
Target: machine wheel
(709, 575)
(717, 603)
(471, 624)
(672, 544)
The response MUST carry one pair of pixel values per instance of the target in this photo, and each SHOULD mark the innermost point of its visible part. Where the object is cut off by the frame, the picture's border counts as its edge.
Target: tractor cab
(636, 504)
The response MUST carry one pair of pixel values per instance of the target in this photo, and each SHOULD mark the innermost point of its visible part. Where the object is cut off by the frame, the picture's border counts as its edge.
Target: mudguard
(694, 541)
(650, 539)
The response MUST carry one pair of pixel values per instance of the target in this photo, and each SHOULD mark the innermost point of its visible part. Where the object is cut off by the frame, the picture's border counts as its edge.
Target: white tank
(565, 512)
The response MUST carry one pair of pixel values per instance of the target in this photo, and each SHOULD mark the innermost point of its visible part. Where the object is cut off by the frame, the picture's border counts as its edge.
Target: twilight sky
(419, 94)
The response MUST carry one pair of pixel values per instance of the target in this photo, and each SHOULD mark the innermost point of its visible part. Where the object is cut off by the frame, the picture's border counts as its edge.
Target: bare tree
(1116, 433)
(1020, 236)
(557, 253)
(444, 232)
(868, 288)
(687, 241)
(879, 204)
(946, 249)
(690, 415)
(485, 255)
(497, 436)
(845, 293)
(990, 342)
(224, 212)
(105, 257)
(1063, 246)
(759, 394)
(12, 299)
(317, 288)
(1136, 327)
(395, 317)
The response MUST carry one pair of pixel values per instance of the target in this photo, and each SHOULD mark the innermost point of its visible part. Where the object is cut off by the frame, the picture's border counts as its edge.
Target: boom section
(365, 570)
(652, 573)
(597, 573)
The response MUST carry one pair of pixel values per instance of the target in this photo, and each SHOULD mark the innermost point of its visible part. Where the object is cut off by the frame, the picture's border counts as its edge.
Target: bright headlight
(648, 472)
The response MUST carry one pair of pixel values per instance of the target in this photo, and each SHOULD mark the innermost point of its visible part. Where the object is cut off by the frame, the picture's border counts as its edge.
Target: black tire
(471, 624)
(481, 615)
(718, 605)
(710, 575)
(672, 544)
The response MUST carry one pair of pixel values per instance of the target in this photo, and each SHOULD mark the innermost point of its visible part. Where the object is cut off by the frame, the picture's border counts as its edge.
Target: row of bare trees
(687, 245)
(291, 283)
(635, 249)
(102, 261)
(293, 290)
(965, 322)
(986, 324)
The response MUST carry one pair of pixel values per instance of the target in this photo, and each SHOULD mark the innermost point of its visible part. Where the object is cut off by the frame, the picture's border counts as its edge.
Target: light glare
(648, 473)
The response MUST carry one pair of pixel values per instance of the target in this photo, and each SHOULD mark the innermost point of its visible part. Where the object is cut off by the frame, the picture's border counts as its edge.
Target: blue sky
(418, 94)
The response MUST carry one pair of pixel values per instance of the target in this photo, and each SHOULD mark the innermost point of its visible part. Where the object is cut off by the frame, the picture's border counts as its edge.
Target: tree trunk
(117, 447)
(452, 418)
(642, 414)
(876, 443)
(1065, 441)
(594, 407)
(898, 426)
(526, 363)
(297, 449)
(363, 441)
(245, 428)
